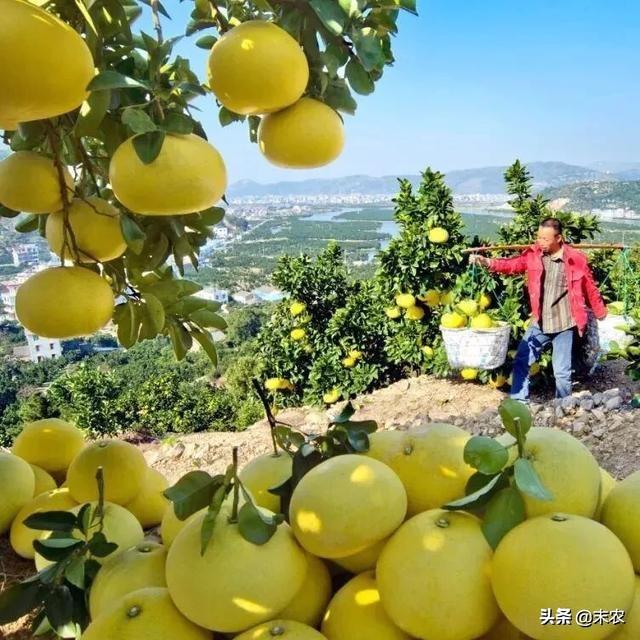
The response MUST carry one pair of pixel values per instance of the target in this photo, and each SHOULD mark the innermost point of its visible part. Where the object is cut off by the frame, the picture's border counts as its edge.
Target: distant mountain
(465, 181)
(586, 196)
(618, 170)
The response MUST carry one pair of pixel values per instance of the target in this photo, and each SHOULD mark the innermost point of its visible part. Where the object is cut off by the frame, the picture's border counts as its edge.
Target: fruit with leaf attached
(259, 580)
(452, 320)
(188, 175)
(405, 300)
(123, 466)
(306, 135)
(415, 313)
(46, 65)
(434, 451)
(561, 558)
(17, 484)
(469, 374)
(257, 68)
(482, 321)
(435, 561)
(29, 182)
(51, 444)
(438, 235)
(265, 472)
(356, 611)
(64, 302)
(329, 523)
(150, 504)
(95, 225)
(21, 536)
(393, 312)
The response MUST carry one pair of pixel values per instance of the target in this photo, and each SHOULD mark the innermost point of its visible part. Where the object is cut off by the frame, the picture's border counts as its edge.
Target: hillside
(586, 196)
(465, 181)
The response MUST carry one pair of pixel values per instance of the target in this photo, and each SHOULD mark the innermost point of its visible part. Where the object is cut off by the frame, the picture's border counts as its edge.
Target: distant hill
(618, 170)
(466, 181)
(586, 196)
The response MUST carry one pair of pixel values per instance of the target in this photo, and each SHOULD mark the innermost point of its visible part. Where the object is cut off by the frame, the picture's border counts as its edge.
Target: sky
(476, 83)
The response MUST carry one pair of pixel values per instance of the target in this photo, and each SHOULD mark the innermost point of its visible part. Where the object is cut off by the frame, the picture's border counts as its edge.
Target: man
(560, 285)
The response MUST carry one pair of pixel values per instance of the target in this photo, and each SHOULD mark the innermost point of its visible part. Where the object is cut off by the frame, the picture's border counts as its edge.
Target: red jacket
(583, 290)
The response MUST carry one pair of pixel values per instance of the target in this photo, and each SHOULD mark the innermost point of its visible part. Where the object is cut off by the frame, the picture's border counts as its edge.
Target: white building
(217, 295)
(42, 348)
(25, 255)
(8, 291)
(244, 297)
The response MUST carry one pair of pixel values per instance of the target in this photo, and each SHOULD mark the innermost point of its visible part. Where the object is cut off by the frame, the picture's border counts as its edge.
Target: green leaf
(330, 14)
(207, 344)
(28, 223)
(133, 234)
(206, 42)
(154, 311)
(504, 511)
(56, 549)
(206, 318)
(5, 212)
(83, 519)
(369, 48)
(408, 5)
(92, 113)
(148, 145)
(194, 491)
(359, 440)
(528, 481)
(368, 426)
(209, 520)
(511, 411)
(106, 80)
(226, 117)
(480, 497)
(74, 573)
(485, 454)
(128, 322)
(254, 125)
(212, 216)
(82, 7)
(358, 78)
(178, 123)
(51, 521)
(339, 97)
(137, 120)
(256, 527)
(476, 482)
(346, 413)
(350, 7)
(18, 600)
(100, 547)
(58, 606)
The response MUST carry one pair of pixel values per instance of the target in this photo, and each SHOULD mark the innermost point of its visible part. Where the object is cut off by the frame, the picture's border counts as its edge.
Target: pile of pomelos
(369, 554)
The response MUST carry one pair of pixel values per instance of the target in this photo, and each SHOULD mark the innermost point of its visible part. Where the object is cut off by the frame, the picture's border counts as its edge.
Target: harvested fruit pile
(425, 533)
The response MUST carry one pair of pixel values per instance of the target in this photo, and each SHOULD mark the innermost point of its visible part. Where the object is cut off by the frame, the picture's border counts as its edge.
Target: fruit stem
(519, 437)
(236, 487)
(270, 418)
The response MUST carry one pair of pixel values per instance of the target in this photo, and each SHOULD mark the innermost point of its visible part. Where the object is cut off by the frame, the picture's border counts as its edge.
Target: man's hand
(476, 258)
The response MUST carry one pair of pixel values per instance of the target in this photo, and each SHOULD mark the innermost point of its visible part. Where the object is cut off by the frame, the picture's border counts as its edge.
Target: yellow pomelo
(452, 320)
(17, 484)
(566, 468)
(29, 182)
(355, 354)
(332, 503)
(355, 612)
(123, 466)
(559, 560)
(171, 525)
(149, 505)
(298, 334)
(446, 297)
(188, 175)
(287, 629)
(44, 481)
(348, 362)
(263, 473)
(145, 614)
(50, 444)
(504, 630)
(236, 584)
(273, 384)
(469, 374)
(96, 228)
(136, 568)
(120, 527)
(630, 630)
(484, 301)
(331, 396)
(433, 452)
(364, 560)
(64, 302)
(256, 68)
(428, 351)
(468, 307)
(393, 312)
(306, 135)
(433, 563)
(309, 604)
(438, 235)
(415, 313)
(21, 536)
(621, 514)
(431, 297)
(482, 321)
(497, 381)
(45, 64)
(297, 308)
(405, 300)
(534, 369)
(607, 483)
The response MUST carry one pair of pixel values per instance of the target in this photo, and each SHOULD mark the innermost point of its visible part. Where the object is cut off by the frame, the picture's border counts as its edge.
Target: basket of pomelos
(472, 338)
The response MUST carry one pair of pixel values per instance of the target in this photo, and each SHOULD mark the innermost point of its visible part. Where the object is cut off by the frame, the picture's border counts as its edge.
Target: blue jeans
(530, 350)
